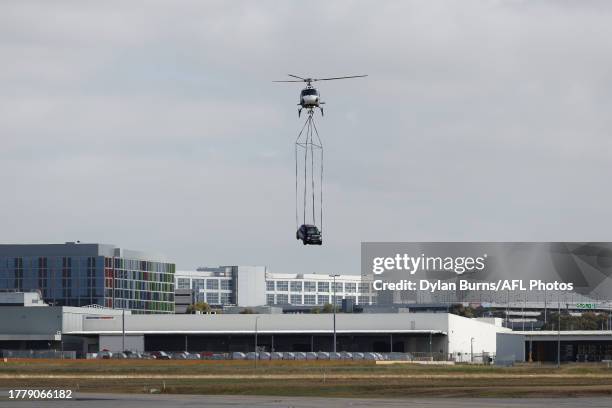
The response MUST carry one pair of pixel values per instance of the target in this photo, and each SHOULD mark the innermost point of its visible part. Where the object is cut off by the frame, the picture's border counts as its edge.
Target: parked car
(132, 354)
(161, 355)
(236, 355)
(288, 356)
(105, 355)
(323, 355)
(371, 356)
(335, 356)
(345, 355)
(181, 355)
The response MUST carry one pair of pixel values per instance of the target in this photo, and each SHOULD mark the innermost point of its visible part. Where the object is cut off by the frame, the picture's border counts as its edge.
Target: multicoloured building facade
(75, 274)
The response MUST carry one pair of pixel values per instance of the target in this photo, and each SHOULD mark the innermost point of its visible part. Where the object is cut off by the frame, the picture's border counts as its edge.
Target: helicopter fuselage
(309, 98)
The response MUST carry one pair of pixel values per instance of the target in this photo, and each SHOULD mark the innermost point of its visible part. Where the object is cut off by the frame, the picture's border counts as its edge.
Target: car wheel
(304, 242)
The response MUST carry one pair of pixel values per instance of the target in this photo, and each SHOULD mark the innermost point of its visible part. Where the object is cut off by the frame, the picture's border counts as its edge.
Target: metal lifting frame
(309, 141)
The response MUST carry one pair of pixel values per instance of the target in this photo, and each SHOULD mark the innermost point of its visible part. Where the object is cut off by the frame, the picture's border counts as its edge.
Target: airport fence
(476, 358)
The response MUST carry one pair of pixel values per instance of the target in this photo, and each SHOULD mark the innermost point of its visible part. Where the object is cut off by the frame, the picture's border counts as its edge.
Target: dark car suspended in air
(309, 234)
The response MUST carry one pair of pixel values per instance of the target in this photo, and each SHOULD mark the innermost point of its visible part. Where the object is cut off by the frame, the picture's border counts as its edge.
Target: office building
(250, 286)
(75, 274)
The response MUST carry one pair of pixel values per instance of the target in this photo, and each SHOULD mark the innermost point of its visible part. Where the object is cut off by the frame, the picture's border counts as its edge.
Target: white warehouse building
(89, 330)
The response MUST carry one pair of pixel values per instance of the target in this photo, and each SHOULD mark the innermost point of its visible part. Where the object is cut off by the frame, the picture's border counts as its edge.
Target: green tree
(329, 308)
(586, 321)
(199, 306)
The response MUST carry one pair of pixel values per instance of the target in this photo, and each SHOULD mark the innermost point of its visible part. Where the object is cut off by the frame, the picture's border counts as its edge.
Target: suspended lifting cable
(321, 186)
(312, 188)
(297, 143)
(308, 131)
(309, 143)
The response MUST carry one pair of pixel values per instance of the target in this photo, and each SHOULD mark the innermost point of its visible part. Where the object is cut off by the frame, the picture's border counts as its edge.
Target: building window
(212, 298)
(282, 299)
(182, 283)
(350, 287)
(212, 284)
(322, 299)
(226, 284)
(197, 284)
(270, 299)
(338, 287)
(353, 298)
(270, 286)
(364, 300)
(364, 287)
(226, 298)
(310, 286)
(296, 286)
(310, 300)
(296, 299)
(282, 286)
(322, 286)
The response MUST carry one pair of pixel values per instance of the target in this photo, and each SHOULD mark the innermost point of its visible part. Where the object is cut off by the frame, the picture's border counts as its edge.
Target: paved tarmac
(87, 400)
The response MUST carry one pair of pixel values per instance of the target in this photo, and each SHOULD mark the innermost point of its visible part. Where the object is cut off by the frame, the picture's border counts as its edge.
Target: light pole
(472, 350)
(256, 353)
(507, 306)
(559, 334)
(334, 276)
(609, 315)
(545, 300)
(523, 312)
(123, 330)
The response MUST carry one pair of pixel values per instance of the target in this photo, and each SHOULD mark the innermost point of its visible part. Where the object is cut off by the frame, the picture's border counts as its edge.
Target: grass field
(306, 378)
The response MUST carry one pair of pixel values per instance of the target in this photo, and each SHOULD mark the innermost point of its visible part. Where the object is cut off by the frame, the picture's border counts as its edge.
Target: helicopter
(309, 146)
(309, 96)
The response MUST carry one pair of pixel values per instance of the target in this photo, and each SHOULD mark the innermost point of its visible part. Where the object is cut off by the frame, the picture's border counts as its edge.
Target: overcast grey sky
(154, 125)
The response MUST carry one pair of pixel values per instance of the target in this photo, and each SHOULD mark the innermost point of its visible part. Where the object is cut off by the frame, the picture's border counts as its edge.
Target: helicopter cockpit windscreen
(309, 91)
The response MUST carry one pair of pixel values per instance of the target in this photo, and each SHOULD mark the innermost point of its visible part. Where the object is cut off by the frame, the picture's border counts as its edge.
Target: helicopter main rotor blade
(342, 77)
(289, 81)
(295, 76)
